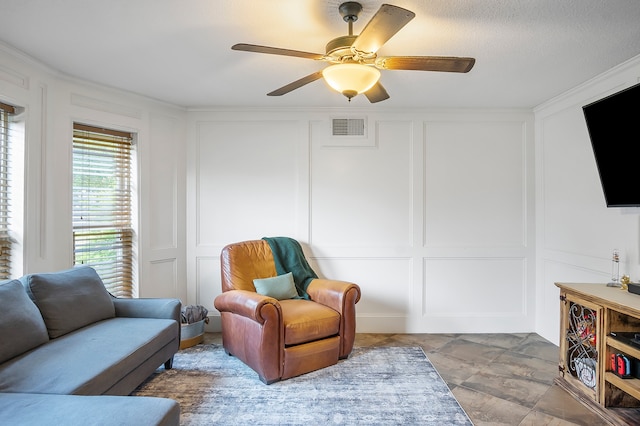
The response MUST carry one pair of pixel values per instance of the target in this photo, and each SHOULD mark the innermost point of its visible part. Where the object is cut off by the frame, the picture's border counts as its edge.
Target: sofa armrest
(333, 293)
(247, 304)
(148, 308)
(152, 308)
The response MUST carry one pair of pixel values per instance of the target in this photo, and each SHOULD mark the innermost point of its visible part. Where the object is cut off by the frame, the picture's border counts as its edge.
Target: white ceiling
(179, 51)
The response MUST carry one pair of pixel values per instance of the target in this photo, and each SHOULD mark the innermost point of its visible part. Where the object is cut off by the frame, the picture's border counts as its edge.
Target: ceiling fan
(354, 63)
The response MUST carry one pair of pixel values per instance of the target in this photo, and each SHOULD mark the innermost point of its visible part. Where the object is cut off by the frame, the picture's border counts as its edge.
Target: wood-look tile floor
(498, 379)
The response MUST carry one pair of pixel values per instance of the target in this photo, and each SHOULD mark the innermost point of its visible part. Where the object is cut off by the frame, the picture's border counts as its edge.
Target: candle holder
(615, 269)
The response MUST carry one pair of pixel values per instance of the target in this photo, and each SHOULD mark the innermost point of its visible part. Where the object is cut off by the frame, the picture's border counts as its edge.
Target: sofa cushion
(92, 360)
(21, 325)
(69, 299)
(71, 410)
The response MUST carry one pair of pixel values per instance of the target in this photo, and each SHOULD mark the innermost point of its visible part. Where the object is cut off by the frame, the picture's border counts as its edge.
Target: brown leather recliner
(280, 339)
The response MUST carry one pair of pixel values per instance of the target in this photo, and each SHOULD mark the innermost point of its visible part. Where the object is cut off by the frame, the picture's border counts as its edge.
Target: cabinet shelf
(630, 386)
(623, 347)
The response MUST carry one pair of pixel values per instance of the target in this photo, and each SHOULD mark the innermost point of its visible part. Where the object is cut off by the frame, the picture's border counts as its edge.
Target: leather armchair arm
(332, 293)
(341, 296)
(245, 303)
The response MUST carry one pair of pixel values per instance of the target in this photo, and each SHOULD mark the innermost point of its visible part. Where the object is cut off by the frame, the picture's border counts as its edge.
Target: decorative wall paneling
(575, 231)
(429, 213)
(439, 202)
(52, 103)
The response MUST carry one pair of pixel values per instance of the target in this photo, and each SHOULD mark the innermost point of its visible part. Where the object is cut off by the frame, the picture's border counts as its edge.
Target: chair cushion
(69, 299)
(306, 321)
(281, 287)
(21, 325)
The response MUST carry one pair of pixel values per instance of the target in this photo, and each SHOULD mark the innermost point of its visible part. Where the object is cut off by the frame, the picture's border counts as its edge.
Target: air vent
(348, 127)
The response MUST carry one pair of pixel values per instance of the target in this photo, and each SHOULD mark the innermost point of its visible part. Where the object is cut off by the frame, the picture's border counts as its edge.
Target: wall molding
(105, 106)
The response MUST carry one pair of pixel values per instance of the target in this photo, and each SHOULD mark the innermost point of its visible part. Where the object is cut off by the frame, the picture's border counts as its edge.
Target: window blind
(6, 111)
(102, 222)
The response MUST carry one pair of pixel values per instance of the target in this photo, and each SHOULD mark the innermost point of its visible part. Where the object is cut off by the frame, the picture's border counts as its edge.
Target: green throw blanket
(289, 257)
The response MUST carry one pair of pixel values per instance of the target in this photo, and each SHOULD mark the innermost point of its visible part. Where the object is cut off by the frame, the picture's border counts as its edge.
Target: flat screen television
(613, 123)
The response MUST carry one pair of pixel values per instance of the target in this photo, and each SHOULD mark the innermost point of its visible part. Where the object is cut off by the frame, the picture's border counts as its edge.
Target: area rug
(374, 386)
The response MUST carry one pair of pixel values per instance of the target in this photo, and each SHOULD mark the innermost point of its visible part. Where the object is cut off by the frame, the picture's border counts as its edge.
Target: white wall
(575, 231)
(52, 103)
(437, 215)
(431, 213)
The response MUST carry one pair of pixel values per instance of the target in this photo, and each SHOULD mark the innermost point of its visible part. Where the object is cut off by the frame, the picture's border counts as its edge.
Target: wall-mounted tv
(614, 129)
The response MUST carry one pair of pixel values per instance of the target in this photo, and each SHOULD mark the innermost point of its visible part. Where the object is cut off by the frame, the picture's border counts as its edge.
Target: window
(6, 111)
(102, 199)
(11, 190)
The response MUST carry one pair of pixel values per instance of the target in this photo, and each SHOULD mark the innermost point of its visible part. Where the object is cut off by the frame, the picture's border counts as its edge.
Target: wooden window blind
(6, 111)
(102, 218)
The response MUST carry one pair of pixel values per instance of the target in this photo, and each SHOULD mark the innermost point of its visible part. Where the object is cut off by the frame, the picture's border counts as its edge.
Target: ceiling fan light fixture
(351, 79)
(355, 59)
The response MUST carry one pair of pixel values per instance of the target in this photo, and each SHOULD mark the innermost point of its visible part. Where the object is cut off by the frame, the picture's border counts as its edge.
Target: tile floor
(499, 379)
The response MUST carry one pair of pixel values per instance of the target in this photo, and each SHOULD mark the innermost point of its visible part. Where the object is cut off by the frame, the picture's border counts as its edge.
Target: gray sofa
(70, 353)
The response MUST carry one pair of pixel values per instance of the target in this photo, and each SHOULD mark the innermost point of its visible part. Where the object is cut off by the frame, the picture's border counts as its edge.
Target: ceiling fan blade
(376, 94)
(387, 21)
(275, 51)
(296, 84)
(426, 63)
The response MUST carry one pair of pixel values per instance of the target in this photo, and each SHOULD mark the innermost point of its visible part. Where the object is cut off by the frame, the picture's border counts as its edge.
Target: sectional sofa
(70, 353)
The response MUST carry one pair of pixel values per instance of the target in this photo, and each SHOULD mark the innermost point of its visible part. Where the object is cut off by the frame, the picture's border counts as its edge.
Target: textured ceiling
(178, 51)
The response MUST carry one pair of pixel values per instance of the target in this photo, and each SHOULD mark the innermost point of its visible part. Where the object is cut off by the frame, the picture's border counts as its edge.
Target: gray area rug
(374, 386)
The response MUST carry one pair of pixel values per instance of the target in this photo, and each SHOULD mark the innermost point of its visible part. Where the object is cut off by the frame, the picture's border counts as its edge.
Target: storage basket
(191, 334)
(586, 369)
